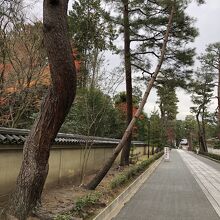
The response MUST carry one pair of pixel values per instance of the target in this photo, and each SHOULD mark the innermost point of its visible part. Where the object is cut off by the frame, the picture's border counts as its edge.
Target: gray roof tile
(18, 136)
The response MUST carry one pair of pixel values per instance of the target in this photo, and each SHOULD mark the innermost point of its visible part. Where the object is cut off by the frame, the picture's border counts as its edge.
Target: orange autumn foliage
(122, 107)
(13, 87)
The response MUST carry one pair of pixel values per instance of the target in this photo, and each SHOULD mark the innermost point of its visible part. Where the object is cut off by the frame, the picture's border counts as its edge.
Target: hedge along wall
(65, 160)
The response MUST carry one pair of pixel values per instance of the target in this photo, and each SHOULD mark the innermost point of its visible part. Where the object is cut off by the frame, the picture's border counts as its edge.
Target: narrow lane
(171, 193)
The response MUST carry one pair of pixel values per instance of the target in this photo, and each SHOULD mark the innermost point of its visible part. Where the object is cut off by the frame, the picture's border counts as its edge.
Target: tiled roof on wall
(18, 136)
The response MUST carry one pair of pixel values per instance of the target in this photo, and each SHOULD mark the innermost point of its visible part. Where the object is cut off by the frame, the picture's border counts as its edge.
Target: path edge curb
(118, 203)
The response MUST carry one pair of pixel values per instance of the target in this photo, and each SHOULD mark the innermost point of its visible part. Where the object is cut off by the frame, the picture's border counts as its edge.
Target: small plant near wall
(63, 217)
(85, 202)
(82, 207)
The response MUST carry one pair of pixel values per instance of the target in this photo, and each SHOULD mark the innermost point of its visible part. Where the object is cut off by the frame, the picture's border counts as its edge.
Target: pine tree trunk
(34, 168)
(190, 140)
(218, 113)
(101, 174)
(204, 133)
(202, 146)
(163, 125)
(127, 58)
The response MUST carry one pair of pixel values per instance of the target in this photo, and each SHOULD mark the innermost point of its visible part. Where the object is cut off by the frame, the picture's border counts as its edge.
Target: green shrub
(86, 201)
(119, 180)
(124, 177)
(63, 217)
(217, 145)
(131, 172)
(213, 156)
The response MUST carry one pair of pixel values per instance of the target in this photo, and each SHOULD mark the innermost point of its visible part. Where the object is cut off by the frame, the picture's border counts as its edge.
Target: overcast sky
(207, 17)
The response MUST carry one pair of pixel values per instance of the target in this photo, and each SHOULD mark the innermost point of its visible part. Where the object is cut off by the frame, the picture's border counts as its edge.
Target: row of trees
(206, 79)
(200, 84)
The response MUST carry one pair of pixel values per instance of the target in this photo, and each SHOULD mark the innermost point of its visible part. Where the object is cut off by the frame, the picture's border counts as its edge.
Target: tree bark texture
(218, 113)
(34, 168)
(204, 132)
(127, 59)
(189, 139)
(202, 141)
(101, 174)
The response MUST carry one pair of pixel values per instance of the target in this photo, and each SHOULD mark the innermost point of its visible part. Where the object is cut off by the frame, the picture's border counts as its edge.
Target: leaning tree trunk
(127, 58)
(101, 174)
(34, 168)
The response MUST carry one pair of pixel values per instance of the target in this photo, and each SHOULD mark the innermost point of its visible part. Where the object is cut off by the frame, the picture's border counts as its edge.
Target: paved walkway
(173, 193)
(209, 162)
(207, 177)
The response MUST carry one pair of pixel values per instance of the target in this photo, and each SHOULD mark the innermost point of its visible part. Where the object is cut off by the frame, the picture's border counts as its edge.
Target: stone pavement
(173, 193)
(209, 162)
(207, 177)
